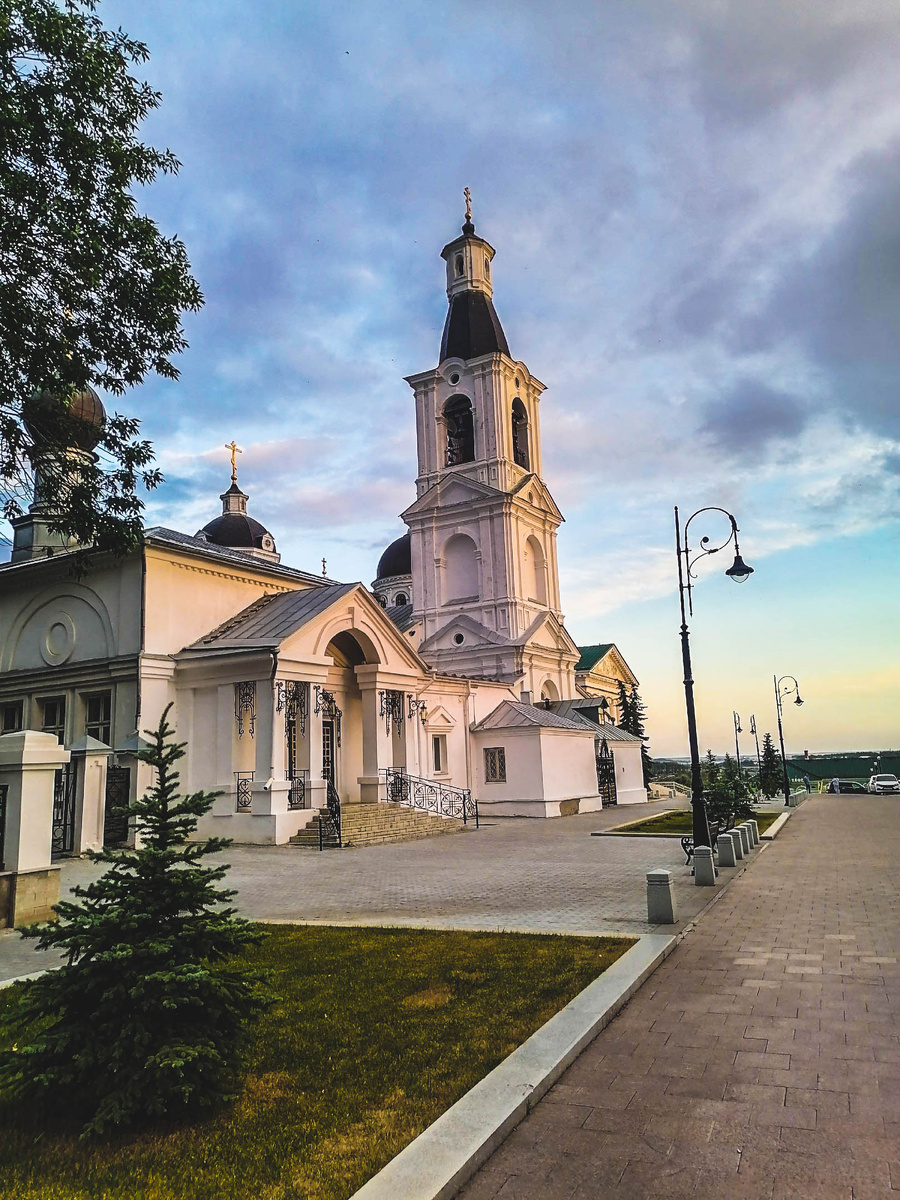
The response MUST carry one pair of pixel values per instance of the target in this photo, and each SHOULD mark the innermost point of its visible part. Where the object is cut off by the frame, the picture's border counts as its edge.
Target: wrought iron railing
(330, 818)
(243, 788)
(298, 794)
(430, 795)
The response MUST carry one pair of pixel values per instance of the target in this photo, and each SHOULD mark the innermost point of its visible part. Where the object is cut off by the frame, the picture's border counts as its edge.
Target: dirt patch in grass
(376, 1032)
(678, 823)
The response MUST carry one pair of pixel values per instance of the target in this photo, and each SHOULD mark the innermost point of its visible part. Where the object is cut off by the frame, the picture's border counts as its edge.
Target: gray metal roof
(206, 549)
(401, 615)
(511, 714)
(269, 620)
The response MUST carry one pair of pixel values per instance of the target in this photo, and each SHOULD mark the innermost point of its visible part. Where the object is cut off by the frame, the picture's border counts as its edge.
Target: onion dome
(79, 420)
(236, 530)
(396, 560)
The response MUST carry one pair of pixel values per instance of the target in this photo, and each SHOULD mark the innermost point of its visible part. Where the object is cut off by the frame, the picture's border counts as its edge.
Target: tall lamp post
(738, 571)
(737, 747)
(791, 688)
(756, 739)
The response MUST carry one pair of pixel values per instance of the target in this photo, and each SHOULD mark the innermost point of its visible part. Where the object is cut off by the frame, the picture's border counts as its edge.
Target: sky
(695, 211)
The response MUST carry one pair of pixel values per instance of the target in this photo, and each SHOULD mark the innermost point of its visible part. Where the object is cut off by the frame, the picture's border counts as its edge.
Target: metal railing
(430, 795)
(243, 788)
(330, 818)
(298, 793)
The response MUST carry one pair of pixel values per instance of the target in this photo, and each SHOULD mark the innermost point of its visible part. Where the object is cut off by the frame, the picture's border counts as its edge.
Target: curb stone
(436, 1164)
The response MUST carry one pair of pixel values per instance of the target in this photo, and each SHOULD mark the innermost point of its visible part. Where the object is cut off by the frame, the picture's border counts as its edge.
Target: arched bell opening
(521, 455)
(459, 420)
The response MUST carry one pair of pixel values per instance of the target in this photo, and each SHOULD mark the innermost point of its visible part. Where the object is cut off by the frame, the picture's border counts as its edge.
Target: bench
(687, 843)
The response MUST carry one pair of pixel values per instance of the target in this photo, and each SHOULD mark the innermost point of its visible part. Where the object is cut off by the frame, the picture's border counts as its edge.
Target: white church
(328, 712)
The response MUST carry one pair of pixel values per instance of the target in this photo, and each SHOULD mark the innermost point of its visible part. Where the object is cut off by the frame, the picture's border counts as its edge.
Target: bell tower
(483, 526)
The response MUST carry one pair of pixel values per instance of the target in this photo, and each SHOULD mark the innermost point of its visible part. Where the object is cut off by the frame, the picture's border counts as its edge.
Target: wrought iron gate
(63, 835)
(118, 794)
(606, 776)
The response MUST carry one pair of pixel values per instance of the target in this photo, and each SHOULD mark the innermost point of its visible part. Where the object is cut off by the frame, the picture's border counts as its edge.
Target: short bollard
(754, 830)
(661, 906)
(737, 841)
(725, 846)
(704, 867)
(745, 837)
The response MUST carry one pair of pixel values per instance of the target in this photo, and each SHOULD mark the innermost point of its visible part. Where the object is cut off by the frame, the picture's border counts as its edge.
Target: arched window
(459, 264)
(549, 691)
(401, 598)
(520, 434)
(460, 431)
(535, 571)
(460, 569)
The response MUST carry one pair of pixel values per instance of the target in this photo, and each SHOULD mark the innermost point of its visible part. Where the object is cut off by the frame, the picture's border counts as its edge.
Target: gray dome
(396, 560)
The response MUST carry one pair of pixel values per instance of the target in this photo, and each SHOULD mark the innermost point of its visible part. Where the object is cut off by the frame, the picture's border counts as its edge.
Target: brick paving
(510, 874)
(762, 1059)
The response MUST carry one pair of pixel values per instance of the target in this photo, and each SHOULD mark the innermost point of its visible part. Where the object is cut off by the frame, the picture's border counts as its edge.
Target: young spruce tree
(771, 778)
(632, 713)
(137, 1024)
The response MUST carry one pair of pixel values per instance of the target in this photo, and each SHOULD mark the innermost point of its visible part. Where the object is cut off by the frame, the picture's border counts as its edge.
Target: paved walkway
(512, 874)
(762, 1059)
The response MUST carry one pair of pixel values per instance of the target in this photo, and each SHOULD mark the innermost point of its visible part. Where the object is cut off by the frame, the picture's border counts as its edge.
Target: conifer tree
(772, 775)
(141, 1021)
(632, 714)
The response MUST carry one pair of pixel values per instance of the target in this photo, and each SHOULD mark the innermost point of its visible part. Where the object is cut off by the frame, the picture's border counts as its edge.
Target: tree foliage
(632, 717)
(771, 779)
(91, 292)
(728, 798)
(141, 1020)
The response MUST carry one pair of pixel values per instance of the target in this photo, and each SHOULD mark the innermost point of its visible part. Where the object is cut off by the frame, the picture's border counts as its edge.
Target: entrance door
(606, 776)
(63, 830)
(328, 764)
(118, 794)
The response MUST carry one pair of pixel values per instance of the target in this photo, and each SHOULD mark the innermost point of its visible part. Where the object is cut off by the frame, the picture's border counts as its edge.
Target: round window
(459, 638)
(454, 378)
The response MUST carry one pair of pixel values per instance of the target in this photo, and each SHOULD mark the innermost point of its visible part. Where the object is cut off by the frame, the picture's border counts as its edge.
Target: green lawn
(376, 1032)
(678, 824)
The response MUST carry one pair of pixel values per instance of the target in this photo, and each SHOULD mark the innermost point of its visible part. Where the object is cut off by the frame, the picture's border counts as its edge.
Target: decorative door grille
(245, 706)
(298, 795)
(606, 776)
(115, 814)
(63, 832)
(292, 698)
(328, 707)
(391, 707)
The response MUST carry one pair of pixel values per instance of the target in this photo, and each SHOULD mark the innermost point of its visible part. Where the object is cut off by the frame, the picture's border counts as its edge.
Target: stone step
(372, 824)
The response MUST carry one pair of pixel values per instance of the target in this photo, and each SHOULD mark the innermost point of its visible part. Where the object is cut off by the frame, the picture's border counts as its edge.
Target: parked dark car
(847, 785)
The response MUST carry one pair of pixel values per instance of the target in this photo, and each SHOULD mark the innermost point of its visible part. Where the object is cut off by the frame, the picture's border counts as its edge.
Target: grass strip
(376, 1032)
(678, 824)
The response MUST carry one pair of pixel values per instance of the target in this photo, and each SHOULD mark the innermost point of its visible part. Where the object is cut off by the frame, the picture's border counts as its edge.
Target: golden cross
(468, 196)
(323, 569)
(235, 450)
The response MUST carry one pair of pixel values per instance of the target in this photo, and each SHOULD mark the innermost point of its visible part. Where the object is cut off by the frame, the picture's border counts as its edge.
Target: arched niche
(549, 690)
(535, 571)
(460, 569)
(72, 626)
(346, 650)
(521, 454)
(459, 420)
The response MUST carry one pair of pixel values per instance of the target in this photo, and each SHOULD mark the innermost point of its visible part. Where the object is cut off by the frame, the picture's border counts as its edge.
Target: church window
(459, 264)
(382, 600)
(487, 265)
(495, 764)
(460, 569)
(460, 431)
(11, 717)
(401, 598)
(97, 716)
(520, 434)
(459, 638)
(439, 753)
(53, 717)
(454, 378)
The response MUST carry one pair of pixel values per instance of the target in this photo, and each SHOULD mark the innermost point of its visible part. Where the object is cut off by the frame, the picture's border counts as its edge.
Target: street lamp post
(756, 739)
(791, 687)
(737, 747)
(738, 571)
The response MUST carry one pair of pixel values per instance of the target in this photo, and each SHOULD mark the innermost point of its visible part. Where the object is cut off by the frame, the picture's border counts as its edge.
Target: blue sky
(695, 211)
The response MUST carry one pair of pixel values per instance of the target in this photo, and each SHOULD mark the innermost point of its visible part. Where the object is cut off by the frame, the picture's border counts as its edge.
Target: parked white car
(878, 784)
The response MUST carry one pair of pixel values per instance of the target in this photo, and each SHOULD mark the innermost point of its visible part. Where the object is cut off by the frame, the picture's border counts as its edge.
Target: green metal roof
(591, 655)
